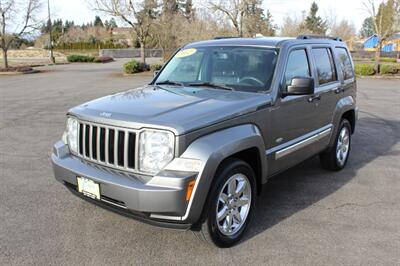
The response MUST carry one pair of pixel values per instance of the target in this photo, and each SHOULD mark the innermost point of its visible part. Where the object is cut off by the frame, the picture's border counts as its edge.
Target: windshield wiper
(169, 82)
(211, 85)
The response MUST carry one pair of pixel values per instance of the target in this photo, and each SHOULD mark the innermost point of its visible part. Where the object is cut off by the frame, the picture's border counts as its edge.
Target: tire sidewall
(343, 123)
(235, 167)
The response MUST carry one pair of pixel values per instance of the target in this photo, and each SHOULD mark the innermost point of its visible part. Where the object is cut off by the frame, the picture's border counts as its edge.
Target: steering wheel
(253, 81)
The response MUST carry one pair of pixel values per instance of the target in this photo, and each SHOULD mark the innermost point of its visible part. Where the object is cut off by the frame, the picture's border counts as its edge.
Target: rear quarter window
(324, 64)
(345, 62)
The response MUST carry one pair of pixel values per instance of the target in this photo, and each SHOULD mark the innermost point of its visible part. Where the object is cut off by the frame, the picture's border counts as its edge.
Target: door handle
(339, 90)
(314, 98)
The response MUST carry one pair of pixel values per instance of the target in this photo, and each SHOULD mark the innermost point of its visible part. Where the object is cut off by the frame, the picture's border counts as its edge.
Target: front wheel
(336, 157)
(230, 204)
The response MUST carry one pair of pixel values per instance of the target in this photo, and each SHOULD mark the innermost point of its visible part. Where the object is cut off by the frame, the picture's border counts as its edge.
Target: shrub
(134, 66)
(364, 69)
(103, 59)
(388, 60)
(389, 68)
(79, 58)
(155, 67)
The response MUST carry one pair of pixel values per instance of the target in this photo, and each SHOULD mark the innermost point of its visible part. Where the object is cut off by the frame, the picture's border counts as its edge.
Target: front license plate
(88, 187)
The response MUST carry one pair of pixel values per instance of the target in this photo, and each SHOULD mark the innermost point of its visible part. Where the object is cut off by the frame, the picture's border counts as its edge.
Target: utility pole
(52, 59)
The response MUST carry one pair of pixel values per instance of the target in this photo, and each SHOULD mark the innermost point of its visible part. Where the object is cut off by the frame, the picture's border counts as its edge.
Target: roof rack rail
(307, 37)
(224, 37)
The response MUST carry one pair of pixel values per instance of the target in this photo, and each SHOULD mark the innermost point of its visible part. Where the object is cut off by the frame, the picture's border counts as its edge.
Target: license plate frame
(88, 187)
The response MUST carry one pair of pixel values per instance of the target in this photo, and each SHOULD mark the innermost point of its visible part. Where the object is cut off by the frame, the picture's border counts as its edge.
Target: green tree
(255, 21)
(247, 16)
(68, 25)
(112, 23)
(313, 23)
(367, 28)
(98, 22)
(58, 28)
(384, 21)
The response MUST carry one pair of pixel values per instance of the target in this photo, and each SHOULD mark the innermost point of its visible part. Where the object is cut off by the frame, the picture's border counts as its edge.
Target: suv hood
(179, 109)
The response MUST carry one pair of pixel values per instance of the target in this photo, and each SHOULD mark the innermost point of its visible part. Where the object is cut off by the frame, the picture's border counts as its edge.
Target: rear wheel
(230, 204)
(336, 157)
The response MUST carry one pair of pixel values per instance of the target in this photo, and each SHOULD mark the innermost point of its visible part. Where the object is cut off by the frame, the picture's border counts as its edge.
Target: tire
(335, 158)
(217, 233)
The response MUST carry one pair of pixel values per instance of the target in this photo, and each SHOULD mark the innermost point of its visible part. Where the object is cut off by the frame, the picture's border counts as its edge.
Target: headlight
(72, 134)
(156, 150)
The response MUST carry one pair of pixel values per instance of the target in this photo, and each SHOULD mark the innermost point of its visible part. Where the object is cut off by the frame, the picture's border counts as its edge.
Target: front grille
(107, 145)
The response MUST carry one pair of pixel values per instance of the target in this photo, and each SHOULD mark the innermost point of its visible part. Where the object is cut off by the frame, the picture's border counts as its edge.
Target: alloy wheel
(233, 205)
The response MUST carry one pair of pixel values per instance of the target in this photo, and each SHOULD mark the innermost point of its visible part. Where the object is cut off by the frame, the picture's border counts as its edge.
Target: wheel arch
(345, 108)
(252, 157)
(351, 117)
(242, 142)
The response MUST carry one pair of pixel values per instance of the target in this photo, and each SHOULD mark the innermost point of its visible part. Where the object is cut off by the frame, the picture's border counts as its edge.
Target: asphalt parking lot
(304, 216)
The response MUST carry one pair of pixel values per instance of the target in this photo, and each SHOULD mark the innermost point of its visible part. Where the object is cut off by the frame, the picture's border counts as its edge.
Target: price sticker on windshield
(186, 52)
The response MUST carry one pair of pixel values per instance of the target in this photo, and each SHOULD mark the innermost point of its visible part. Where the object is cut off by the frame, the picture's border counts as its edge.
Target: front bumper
(159, 200)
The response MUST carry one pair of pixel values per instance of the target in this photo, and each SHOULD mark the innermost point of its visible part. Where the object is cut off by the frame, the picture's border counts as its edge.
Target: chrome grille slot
(111, 142)
(86, 147)
(80, 139)
(102, 144)
(107, 145)
(121, 148)
(94, 142)
(131, 150)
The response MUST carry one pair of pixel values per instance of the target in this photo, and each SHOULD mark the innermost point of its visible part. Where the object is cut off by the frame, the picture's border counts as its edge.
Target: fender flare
(342, 106)
(212, 149)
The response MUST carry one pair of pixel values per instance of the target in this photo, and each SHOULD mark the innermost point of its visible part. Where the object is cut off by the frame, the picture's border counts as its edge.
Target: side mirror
(155, 73)
(300, 86)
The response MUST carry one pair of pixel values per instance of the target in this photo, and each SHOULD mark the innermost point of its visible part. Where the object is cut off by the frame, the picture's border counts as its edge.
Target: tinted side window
(297, 65)
(324, 64)
(345, 63)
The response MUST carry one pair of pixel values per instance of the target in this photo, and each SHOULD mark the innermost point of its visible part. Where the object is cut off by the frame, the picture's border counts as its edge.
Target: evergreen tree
(68, 25)
(367, 28)
(255, 21)
(113, 23)
(313, 23)
(98, 22)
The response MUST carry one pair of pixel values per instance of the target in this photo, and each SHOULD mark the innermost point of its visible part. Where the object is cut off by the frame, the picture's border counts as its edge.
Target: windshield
(247, 69)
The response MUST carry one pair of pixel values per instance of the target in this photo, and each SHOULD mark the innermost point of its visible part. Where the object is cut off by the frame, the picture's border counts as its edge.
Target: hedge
(364, 69)
(80, 58)
(388, 60)
(88, 45)
(134, 66)
(390, 68)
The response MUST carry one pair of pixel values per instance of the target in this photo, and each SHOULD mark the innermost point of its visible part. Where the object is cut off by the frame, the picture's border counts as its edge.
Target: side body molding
(212, 149)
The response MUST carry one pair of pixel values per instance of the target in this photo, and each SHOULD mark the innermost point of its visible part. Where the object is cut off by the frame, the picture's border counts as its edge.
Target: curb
(379, 77)
(20, 73)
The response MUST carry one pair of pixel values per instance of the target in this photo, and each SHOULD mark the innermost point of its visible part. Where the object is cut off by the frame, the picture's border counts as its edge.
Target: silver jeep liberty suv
(192, 149)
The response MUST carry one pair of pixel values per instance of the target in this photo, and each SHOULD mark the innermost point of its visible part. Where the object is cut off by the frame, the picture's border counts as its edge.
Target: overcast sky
(352, 10)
